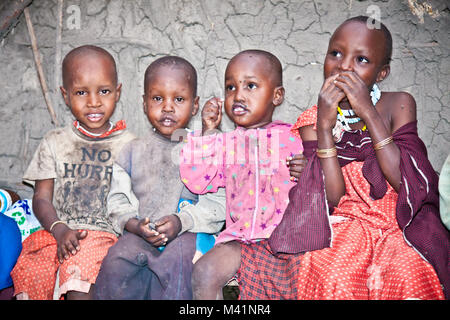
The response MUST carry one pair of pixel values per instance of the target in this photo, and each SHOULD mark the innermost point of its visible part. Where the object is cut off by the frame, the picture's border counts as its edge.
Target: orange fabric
(307, 118)
(35, 271)
(369, 258)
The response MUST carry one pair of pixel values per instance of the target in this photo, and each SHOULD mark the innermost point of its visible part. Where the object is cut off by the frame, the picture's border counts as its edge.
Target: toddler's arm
(123, 208)
(211, 115)
(148, 230)
(66, 238)
(121, 203)
(207, 216)
(296, 165)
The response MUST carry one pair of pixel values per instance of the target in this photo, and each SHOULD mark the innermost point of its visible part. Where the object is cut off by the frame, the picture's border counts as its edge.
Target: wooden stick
(58, 47)
(37, 60)
(10, 12)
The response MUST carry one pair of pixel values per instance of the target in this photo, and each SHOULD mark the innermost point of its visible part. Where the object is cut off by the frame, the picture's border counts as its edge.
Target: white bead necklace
(79, 127)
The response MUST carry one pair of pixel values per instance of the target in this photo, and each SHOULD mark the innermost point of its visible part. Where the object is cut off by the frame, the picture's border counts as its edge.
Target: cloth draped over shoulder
(305, 225)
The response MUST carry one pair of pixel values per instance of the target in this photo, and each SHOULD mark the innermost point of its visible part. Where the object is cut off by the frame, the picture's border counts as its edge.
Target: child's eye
(363, 59)
(158, 99)
(229, 88)
(104, 91)
(80, 93)
(179, 99)
(252, 86)
(336, 53)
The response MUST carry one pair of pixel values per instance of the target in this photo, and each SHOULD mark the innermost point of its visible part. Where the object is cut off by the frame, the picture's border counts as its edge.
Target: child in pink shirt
(249, 162)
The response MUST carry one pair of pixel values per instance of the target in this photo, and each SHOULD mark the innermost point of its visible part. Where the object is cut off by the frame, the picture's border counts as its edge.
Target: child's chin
(169, 132)
(239, 120)
(94, 127)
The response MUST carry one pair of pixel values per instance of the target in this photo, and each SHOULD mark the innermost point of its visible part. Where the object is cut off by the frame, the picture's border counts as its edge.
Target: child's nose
(94, 101)
(168, 106)
(239, 94)
(346, 64)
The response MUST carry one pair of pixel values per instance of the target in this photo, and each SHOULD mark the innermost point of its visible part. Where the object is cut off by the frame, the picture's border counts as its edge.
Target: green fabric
(444, 193)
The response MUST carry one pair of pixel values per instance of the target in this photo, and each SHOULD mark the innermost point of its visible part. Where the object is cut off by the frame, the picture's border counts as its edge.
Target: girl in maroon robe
(363, 221)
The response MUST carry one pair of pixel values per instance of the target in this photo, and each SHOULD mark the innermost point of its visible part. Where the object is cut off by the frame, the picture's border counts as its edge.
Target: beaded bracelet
(380, 145)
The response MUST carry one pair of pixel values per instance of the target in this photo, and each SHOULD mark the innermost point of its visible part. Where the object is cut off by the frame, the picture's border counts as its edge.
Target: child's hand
(296, 165)
(146, 231)
(356, 91)
(169, 226)
(67, 241)
(329, 97)
(211, 114)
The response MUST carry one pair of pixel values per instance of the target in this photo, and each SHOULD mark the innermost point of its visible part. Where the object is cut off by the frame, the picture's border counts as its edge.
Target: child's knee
(203, 272)
(217, 267)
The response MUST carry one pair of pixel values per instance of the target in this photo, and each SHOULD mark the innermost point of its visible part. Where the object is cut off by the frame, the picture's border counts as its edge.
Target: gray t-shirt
(146, 183)
(82, 169)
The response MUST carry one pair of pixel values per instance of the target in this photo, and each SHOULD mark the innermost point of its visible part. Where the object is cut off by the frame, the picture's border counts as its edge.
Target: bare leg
(214, 269)
(76, 295)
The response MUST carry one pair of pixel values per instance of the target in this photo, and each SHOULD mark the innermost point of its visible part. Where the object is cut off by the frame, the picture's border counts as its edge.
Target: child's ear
(384, 72)
(278, 96)
(196, 105)
(118, 91)
(144, 104)
(65, 95)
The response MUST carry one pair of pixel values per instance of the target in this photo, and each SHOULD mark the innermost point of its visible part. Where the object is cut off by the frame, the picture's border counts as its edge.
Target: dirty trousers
(135, 270)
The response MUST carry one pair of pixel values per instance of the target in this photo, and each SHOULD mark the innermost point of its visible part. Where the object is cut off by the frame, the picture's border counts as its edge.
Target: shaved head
(88, 51)
(273, 65)
(172, 62)
(383, 29)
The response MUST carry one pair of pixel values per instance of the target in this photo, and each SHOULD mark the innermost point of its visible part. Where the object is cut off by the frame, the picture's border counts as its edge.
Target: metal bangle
(326, 153)
(380, 145)
(55, 223)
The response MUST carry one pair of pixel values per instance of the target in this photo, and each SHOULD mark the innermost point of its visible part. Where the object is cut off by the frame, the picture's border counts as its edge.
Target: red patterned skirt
(35, 272)
(363, 263)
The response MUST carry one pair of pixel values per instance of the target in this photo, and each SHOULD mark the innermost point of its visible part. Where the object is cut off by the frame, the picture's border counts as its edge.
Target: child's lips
(239, 109)
(167, 121)
(95, 117)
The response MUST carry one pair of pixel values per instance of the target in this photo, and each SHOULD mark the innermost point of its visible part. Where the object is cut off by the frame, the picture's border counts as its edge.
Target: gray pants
(133, 269)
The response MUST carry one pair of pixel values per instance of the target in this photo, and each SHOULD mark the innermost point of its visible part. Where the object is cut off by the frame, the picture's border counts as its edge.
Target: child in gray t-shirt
(71, 172)
(153, 257)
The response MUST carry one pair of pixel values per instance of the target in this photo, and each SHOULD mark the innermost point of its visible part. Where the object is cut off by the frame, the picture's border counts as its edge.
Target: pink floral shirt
(251, 166)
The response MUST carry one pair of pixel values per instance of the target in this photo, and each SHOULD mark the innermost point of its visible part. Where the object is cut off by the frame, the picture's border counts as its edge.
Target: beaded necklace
(346, 117)
(120, 125)
(91, 134)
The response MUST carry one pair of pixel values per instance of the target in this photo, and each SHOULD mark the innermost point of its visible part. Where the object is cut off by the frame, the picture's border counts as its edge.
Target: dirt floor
(230, 292)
